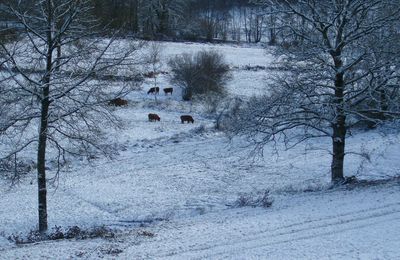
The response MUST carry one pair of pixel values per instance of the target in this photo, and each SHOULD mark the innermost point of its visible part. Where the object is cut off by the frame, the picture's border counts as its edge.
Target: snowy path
(350, 225)
(264, 240)
(363, 223)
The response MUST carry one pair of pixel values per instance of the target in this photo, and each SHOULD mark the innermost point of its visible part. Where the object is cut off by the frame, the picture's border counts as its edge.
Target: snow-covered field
(183, 180)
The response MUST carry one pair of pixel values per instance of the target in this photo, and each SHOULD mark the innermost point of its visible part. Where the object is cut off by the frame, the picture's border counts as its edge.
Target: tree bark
(41, 158)
(339, 128)
(41, 164)
(338, 150)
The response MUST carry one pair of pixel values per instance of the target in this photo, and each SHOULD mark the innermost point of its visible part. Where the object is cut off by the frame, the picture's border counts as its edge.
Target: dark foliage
(205, 72)
(263, 199)
(58, 233)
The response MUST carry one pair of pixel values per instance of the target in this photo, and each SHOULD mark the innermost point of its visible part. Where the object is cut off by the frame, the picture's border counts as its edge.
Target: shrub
(263, 199)
(57, 233)
(203, 73)
(14, 168)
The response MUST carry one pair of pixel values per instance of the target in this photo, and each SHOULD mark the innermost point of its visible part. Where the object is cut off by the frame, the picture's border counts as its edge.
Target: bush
(58, 233)
(263, 199)
(203, 73)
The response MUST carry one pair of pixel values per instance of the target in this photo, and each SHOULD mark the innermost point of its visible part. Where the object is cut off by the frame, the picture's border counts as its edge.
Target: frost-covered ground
(184, 179)
(339, 224)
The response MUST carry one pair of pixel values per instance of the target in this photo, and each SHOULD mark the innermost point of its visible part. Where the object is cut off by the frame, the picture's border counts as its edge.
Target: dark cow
(187, 118)
(154, 117)
(168, 90)
(118, 102)
(154, 90)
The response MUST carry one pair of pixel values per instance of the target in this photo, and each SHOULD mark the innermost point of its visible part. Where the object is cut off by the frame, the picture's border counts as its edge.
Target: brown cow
(187, 118)
(168, 90)
(118, 102)
(154, 117)
(154, 90)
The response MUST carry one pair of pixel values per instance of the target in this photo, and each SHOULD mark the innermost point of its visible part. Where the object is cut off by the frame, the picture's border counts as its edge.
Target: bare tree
(52, 80)
(254, 23)
(343, 71)
(159, 17)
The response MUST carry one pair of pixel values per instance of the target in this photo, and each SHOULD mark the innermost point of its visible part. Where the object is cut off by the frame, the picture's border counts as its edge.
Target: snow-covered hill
(184, 179)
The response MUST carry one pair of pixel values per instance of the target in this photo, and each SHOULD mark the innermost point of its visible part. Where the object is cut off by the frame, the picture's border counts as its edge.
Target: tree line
(176, 19)
(194, 20)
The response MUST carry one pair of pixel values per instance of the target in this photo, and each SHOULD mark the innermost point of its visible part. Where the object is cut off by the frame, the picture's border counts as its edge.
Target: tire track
(317, 225)
(259, 245)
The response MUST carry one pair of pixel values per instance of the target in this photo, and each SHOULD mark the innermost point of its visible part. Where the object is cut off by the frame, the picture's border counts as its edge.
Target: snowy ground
(362, 223)
(185, 179)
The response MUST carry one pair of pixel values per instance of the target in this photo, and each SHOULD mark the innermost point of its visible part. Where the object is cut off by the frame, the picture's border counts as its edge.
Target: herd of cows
(156, 90)
(152, 117)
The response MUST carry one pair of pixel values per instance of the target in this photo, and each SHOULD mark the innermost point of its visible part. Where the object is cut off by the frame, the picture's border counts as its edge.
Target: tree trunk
(339, 128)
(134, 8)
(41, 158)
(45, 104)
(272, 37)
(41, 165)
(384, 107)
(338, 150)
(272, 31)
(163, 17)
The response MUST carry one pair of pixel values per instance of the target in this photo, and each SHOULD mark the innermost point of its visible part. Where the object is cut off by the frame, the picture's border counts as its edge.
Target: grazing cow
(168, 90)
(154, 117)
(118, 102)
(187, 118)
(154, 90)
